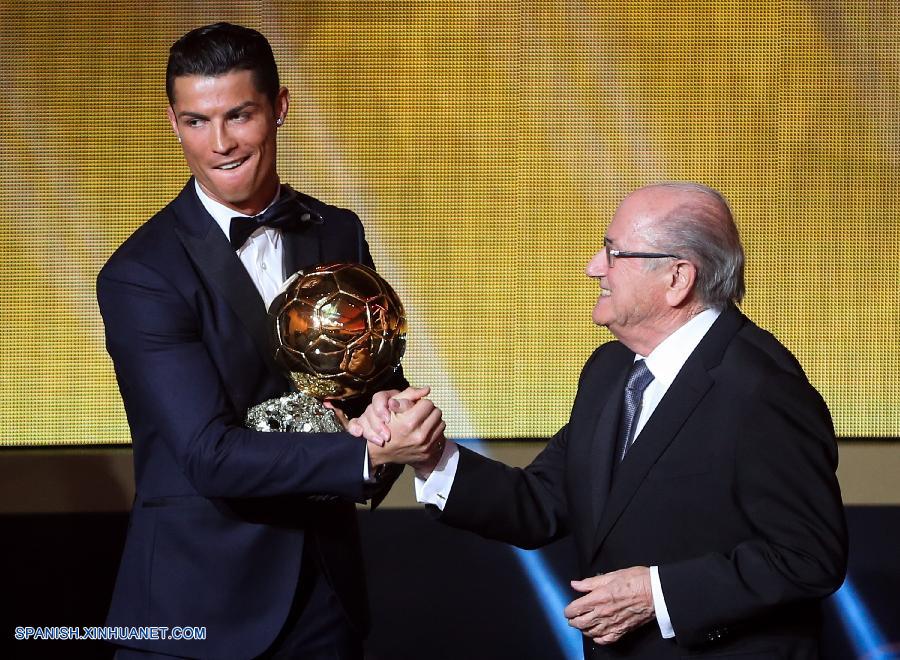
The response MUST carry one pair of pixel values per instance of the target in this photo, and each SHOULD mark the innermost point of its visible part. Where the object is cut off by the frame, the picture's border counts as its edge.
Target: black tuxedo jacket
(220, 516)
(730, 490)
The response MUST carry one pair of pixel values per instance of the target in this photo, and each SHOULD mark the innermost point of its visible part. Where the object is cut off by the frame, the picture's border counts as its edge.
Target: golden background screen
(485, 146)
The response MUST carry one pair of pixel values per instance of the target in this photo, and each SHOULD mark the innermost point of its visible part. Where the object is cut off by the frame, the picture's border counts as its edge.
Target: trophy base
(295, 412)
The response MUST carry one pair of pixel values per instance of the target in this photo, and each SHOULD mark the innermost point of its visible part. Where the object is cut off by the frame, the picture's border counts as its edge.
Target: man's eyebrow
(228, 113)
(191, 115)
(238, 108)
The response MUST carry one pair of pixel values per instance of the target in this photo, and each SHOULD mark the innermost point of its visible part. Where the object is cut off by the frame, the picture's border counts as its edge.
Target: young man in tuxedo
(224, 532)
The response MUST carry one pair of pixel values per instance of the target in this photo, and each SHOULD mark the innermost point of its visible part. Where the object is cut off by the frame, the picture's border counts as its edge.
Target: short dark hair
(217, 49)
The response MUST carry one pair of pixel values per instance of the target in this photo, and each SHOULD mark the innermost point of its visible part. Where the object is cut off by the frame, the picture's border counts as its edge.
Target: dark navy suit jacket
(221, 514)
(730, 490)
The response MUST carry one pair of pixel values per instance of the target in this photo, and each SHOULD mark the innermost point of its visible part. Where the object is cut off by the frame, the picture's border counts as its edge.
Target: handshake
(402, 428)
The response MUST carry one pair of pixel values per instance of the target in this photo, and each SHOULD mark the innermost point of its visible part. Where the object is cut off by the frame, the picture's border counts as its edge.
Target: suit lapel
(603, 447)
(302, 247)
(220, 267)
(676, 406)
(682, 397)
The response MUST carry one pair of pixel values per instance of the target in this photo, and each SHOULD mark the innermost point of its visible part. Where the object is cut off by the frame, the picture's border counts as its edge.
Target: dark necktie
(286, 213)
(638, 380)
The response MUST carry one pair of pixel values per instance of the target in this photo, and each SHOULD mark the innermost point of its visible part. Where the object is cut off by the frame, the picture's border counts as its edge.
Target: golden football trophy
(339, 330)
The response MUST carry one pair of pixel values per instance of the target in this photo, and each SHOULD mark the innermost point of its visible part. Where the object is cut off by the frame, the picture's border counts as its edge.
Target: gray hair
(702, 230)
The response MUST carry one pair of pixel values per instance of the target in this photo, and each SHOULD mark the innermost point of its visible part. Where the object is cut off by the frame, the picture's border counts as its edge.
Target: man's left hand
(614, 604)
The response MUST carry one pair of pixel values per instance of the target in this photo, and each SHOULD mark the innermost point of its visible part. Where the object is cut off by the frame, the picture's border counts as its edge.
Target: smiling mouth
(605, 292)
(227, 167)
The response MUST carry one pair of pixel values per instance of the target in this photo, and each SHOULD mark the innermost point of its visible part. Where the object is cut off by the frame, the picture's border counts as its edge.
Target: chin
(237, 199)
(233, 197)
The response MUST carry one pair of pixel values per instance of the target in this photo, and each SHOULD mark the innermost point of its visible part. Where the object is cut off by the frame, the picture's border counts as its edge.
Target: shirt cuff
(659, 604)
(436, 488)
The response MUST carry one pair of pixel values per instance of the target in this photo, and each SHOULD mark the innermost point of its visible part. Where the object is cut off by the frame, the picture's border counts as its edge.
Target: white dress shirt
(664, 363)
(262, 256)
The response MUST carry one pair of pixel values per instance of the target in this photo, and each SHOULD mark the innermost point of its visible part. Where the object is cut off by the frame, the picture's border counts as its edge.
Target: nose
(596, 267)
(222, 141)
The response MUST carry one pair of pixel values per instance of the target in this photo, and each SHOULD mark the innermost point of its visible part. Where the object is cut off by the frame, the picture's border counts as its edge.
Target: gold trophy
(339, 329)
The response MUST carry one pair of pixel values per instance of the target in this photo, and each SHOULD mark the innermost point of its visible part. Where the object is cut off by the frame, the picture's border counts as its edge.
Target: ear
(282, 101)
(682, 277)
(173, 120)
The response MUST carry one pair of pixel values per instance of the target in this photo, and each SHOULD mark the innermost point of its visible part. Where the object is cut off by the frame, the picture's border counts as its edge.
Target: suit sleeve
(786, 488)
(174, 396)
(521, 506)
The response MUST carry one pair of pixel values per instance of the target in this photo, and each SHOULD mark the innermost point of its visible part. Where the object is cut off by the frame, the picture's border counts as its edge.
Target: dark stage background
(436, 592)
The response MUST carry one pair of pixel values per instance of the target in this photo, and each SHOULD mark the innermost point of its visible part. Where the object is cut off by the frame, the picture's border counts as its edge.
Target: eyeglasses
(612, 254)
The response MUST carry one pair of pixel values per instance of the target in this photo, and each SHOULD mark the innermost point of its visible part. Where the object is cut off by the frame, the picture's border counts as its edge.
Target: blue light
(550, 594)
(552, 600)
(867, 639)
(476, 445)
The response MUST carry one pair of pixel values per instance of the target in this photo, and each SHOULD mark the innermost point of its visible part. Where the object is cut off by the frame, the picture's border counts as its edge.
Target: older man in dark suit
(224, 532)
(697, 470)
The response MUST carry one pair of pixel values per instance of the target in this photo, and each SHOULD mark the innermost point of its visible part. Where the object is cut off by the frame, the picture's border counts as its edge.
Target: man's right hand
(416, 437)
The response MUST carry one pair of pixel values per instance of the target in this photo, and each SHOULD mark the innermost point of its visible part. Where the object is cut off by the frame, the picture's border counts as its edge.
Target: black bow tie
(286, 213)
